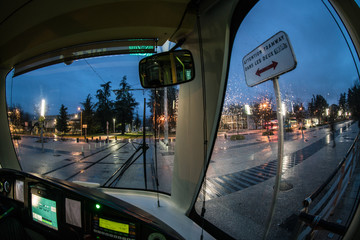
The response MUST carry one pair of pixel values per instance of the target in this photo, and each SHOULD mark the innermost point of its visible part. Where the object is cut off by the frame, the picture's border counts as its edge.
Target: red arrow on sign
(272, 65)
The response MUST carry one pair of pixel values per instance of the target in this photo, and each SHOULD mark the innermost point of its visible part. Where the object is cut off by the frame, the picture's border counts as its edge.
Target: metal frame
(315, 218)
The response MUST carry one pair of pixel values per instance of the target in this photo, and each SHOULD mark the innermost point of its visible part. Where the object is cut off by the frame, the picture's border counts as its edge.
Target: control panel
(57, 209)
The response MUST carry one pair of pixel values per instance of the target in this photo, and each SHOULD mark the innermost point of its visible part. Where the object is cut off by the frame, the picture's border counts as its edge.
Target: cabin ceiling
(33, 27)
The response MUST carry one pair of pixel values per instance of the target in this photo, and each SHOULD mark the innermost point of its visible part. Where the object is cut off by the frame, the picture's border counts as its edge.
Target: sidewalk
(254, 202)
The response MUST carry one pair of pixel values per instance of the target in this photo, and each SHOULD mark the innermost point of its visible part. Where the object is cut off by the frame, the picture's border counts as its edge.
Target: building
(50, 124)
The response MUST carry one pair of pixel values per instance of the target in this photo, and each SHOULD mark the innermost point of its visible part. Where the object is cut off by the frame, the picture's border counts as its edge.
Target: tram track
(106, 156)
(116, 176)
(83, 159)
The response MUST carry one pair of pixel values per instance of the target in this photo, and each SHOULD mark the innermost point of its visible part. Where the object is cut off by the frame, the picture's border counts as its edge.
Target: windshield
(85, 121)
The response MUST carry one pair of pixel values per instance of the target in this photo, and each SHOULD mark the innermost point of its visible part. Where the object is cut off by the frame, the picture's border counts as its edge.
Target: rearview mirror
(166, 69)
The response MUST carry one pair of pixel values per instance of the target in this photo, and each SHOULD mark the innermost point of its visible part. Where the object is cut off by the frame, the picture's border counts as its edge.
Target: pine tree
(299, 113)
(125, 105)
(62, 120)
(342, 104)
(104, 105)
(256, 114)
(317, 107)
(137, 121)
(354, 101)
(88, 114)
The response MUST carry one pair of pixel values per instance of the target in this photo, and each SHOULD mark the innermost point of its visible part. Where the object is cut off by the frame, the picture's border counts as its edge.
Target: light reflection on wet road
(234, 165)
(228, 183)
(95, 162)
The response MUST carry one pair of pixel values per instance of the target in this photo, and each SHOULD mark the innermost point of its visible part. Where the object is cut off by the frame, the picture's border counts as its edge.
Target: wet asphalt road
(235, 165)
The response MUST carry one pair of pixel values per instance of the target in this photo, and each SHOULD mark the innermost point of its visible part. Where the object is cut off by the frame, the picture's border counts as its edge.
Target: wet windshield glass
(317, 106)
(84, 122)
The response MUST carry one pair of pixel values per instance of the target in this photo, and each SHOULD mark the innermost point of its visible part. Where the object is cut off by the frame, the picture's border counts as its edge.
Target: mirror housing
(166, 69)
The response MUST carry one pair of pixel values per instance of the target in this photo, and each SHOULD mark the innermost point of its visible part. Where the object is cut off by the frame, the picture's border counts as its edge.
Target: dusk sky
(71, 84)
(324, 63)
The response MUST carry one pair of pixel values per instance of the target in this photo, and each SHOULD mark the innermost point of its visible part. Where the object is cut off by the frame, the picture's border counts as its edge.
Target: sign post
(271, 59)
(268, 61)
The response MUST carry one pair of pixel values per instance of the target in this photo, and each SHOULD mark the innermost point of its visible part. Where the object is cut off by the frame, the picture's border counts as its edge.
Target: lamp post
(42, 122)
(79, 109)
(302, 121)
(264, 112)
(283, 109)
(42, 109)
(114, 123)
(248, 113)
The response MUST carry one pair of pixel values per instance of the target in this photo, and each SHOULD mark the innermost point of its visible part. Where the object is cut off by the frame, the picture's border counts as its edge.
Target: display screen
(19, 190)
(114, 226)
(44, 211)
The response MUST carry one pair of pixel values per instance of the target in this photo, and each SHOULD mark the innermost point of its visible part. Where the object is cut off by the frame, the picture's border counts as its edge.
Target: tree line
(262, 110)
(98, 116)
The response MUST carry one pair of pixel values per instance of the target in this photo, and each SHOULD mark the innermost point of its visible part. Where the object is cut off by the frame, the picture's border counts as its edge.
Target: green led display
(114, 226)
(140, 47)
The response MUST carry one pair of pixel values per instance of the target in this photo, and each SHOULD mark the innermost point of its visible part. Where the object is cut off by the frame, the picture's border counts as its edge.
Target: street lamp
(247, 109)
(114, 124)
(42, 108)
(248, 112)
(79, 109)
(283, 109)
(42, 122)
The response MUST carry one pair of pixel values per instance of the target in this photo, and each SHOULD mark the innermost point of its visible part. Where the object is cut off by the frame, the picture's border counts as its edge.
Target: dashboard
(56, 209)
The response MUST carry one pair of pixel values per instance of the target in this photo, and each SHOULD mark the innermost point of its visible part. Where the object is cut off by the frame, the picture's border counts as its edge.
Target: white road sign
(272, 58)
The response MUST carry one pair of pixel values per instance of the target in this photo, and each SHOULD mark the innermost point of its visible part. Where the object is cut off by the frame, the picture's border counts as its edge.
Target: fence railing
(314, 218)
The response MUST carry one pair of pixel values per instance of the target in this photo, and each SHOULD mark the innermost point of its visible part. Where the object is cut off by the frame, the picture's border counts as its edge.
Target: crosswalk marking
(237, 181)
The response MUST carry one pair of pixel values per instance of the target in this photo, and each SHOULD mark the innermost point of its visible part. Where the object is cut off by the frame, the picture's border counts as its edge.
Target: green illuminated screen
(114, 226)
(44, 211)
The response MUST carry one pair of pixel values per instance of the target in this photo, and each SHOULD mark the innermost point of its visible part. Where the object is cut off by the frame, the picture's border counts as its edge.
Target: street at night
(241, 172)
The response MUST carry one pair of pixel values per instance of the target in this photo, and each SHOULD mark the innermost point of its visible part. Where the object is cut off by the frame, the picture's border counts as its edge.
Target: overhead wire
(94, 71)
